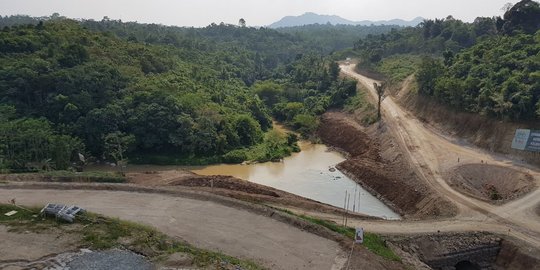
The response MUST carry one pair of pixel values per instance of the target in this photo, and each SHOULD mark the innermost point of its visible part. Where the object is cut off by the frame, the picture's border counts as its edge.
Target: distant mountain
(313, 18)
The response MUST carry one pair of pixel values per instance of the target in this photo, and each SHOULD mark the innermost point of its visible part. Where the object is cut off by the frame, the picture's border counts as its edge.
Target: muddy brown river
(310, 174)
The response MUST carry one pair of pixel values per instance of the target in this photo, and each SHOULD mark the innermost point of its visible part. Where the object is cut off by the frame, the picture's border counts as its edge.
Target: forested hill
(281, 43)
(490, 67)
(331, 38)
(156, 94)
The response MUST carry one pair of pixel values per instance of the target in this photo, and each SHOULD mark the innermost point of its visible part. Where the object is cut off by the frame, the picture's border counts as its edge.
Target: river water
(310, 174)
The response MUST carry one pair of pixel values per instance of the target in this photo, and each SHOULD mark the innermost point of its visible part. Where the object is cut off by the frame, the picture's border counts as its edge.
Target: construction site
(455, 205)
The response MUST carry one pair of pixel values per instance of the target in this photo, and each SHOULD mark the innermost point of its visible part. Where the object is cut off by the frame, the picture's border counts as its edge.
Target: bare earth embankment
(15, 246)
(376, 162)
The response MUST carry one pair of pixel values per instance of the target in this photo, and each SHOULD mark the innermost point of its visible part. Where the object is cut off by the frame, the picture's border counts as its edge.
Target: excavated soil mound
(225, 182)
(491, 183)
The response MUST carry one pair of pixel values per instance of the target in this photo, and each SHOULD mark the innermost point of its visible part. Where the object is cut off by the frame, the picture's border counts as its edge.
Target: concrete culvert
(467, 265)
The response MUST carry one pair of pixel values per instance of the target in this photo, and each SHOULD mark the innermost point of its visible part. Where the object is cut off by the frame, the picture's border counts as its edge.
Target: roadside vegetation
(397, 68)
(361, 105)
(101, 233)
(372, 242)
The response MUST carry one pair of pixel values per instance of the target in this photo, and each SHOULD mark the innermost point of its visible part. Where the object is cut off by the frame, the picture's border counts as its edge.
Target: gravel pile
(114, 259)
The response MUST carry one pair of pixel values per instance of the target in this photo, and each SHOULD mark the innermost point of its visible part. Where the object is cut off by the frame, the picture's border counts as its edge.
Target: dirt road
(433, 154)
(205, 224)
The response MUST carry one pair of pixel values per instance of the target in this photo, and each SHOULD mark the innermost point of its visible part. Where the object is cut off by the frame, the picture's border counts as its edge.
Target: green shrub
(235, 156)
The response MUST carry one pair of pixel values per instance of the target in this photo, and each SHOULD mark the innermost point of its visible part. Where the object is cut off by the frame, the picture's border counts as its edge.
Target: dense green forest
(150, 93)
(490, 66)
(330, 38)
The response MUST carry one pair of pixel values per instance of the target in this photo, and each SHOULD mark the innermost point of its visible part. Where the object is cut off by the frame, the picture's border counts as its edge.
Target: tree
(116, 145)
(306, 124)
(242, 22)
(523, 16)
(63, 148)
(269, 92)
(380, 93)
(249, 131)
(334, 70)
(448, 57)
(430, 69)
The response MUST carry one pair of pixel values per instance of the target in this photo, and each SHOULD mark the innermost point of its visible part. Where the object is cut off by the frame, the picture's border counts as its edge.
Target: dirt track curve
(432, 154)
(205, 224)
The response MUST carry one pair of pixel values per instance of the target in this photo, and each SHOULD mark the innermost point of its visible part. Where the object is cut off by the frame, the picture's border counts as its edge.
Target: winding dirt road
(205, 224)
(432, 154)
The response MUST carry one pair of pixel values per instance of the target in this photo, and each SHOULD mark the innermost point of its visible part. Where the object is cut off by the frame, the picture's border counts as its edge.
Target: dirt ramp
(491, 183)
(225, 182)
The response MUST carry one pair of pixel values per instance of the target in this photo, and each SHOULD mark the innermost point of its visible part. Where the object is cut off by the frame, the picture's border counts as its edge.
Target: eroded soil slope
(377, 163)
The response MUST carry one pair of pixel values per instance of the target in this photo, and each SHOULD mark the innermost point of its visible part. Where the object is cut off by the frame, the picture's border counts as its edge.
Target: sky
(255, 12)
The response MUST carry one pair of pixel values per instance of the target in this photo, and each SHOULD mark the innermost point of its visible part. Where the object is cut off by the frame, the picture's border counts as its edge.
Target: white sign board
(521, 138)
(359, 236)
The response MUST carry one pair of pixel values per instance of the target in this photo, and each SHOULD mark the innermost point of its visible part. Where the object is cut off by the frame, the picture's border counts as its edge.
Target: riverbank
(277, 143)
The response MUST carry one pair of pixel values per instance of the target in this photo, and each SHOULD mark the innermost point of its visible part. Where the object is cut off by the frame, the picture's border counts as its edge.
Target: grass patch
(398, 67)
(372, 242)
(376, 244)
(98, 177)
(20, 216)
(100, 233)
(359, 103)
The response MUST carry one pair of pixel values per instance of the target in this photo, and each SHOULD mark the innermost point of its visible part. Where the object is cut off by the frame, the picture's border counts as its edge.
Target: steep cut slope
(378, 165)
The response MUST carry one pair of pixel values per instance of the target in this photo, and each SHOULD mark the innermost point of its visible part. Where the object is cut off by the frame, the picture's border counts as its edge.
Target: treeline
(270, 46)
(429, 37)
(490, 66)
(330, 38)
(196, 97)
